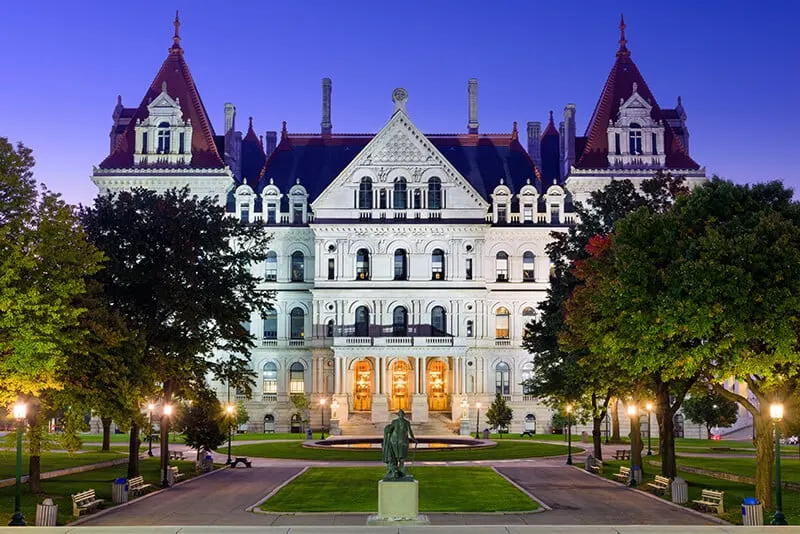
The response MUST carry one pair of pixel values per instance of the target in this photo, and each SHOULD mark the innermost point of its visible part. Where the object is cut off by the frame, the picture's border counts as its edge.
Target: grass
(441, 489)
(503, 451)
(52, 461)
(790, 468)
(60, 489)
(248, 436)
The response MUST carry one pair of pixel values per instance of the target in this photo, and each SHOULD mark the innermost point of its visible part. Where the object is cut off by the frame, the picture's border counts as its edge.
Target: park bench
(624, 474)
(528, 433)
(711, 500)
(622, 454)
(137, 485)
(241, 460)
(176, 455)
(596, 466)
(660, 484)
(175, 473)
(85, 501)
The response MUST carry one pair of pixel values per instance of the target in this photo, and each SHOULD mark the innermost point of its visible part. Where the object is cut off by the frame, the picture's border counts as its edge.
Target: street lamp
(632, 413)
(322, 416)
(569, 434)
(230, 410)
(776, 412)
(18, 520)
(477, 420)
(166, 412)
(150, 408)
(649, 407)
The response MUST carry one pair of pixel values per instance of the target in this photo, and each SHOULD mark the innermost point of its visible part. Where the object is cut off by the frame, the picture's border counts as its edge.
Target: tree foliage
(708, 408)
(203, 423)
(499, 414)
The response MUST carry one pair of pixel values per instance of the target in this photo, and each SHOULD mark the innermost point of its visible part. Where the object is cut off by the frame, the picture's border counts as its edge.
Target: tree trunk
(708, 431)
(133, 451)
(597, 437)
(35, 474)
(615, 438)
(765, 458)
(106, 421)
(35, 450)
(636, 445)
(666, 432)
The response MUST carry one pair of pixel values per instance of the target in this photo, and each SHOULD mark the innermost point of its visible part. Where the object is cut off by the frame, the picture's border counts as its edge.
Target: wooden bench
(596, 466)
(137, 485)
(175, 474)
(176, 455)
(85, 501)
(660, 484)
(622, 454)
(241, 460)
(711, 500)
(624, 474)
(528, 433)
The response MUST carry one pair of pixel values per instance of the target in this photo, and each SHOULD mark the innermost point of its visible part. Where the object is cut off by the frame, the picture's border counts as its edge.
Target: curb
(255, 507)
(138, 499)
(708, 517)
(544, 507)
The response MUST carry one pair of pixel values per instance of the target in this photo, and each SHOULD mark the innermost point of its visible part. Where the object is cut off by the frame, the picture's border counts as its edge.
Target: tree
(44, 261)
(499, 414)
(179, 273)
(708, 408)
(203, 423)
(301, 407)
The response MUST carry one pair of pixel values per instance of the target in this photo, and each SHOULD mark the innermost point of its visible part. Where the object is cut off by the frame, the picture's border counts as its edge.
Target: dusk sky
(736, 65)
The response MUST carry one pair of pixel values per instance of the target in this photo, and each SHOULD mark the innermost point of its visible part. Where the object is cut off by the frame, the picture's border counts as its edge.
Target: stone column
(424, 381)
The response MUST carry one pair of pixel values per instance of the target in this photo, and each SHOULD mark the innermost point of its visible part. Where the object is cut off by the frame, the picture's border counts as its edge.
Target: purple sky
(735, 67)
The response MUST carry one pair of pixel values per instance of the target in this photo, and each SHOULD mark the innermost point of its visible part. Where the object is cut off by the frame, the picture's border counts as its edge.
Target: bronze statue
(396, 436)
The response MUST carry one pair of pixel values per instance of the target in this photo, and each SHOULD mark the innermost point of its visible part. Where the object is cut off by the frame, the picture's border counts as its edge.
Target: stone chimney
(326, 106)
(534, 148)
(230, 117)
(568, 141)
(272, 142)
(472, 91)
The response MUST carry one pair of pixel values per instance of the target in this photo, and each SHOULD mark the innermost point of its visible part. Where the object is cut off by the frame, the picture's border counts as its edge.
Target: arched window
(438, 321)
(365, 194)
(528, 267)
(400, 265)
(270, 378)
(362, 321)
(528, 314)
(530, 423)
(434, 194)
(399, 322)
(329, 328)
(527, 376)
(400, 201)
(502, 379)
(298, 266)
(362, 264)
(163, 138)
(635, 137)
(297, 324)
(437, 264)
(271, 325)
(271, 267)
(502, 267)
(501, 320)
(297, 381)
(470, 328)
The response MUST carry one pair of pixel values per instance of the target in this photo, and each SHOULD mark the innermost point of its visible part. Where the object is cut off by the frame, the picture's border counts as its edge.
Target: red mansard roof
(618, 88)
(180, 84)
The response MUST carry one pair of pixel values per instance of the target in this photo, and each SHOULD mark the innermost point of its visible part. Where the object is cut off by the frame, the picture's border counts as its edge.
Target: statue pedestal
(398, 504)
(334, 429)
(380, 409)
(464, 429)
(419, 408)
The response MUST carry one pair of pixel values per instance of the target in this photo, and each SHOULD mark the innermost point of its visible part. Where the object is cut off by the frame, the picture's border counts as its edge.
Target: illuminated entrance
(437, 386)
(400, 386)
(362, 374)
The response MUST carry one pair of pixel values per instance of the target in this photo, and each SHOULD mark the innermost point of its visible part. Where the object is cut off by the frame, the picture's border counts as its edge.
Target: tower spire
(176, 39)
(623, 43)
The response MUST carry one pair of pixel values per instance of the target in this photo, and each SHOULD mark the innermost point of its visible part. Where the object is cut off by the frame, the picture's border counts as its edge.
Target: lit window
(469, 328)
(271, 271)
(297, 382)
(502, 377)
(298, 267)
(501, 328)
(362, 264)
(331, 268)
(437, 264)
(469, 269)
(297, 327)
(502, 267)
(270, 377)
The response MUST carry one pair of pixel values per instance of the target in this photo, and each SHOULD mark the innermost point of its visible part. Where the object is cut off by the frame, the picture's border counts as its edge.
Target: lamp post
(322, 416)
(632, 413)
(464, 408)
(230, 410)
(776, 412)
(150, 408)
(18, 520)
(649, 407)
(477, 420)
(165, 414)
(569, 434)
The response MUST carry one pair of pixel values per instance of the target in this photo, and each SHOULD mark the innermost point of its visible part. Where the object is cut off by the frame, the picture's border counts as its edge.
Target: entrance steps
(438, 424)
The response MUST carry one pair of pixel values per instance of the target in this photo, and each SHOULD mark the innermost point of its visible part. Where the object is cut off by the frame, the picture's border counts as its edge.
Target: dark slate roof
(316, 159)
(253, 157)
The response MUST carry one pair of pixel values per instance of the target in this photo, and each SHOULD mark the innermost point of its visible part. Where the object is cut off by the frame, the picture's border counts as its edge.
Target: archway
(269, 423)
(401, 388)
(437, 386)
(362, 386)
(530, 423)
(296, 424)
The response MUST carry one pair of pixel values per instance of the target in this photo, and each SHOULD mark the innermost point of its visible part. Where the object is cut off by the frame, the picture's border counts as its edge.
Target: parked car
(792, 440)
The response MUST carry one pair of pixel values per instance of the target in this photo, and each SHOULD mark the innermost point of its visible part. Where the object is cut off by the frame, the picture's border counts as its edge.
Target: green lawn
(52, 461)
(441, 489)
(60, 489)
(790, 468)
(248, 436)
(503, 451)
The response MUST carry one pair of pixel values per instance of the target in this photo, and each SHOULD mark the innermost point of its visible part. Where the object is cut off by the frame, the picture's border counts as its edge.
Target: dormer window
(635, 138)
(163, 138)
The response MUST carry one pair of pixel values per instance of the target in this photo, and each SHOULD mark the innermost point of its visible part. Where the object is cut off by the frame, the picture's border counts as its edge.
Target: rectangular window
(616, 144)
(271, 210)
(271, 326)
(270, 385)
(501, 213)
(655, 145)
(245, 213)
(181, 144)
(297, 213)
(469, 328)
(144, 143)
(331, 268)
(469, 268)
(527, 212)
(554, 214)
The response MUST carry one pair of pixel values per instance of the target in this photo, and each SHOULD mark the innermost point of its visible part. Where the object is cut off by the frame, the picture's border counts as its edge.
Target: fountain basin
(423, 442)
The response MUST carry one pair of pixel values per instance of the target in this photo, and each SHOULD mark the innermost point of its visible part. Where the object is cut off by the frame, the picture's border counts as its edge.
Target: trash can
(637, 474)
(584, 437)
(588, 463)
(119, 490)
(309, 434)
(46, 513)
(752, 512)
(680, 491)
(485, 433)
(208, 464)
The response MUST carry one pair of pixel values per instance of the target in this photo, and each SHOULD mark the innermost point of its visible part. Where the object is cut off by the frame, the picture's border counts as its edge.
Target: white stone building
(405, 264)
